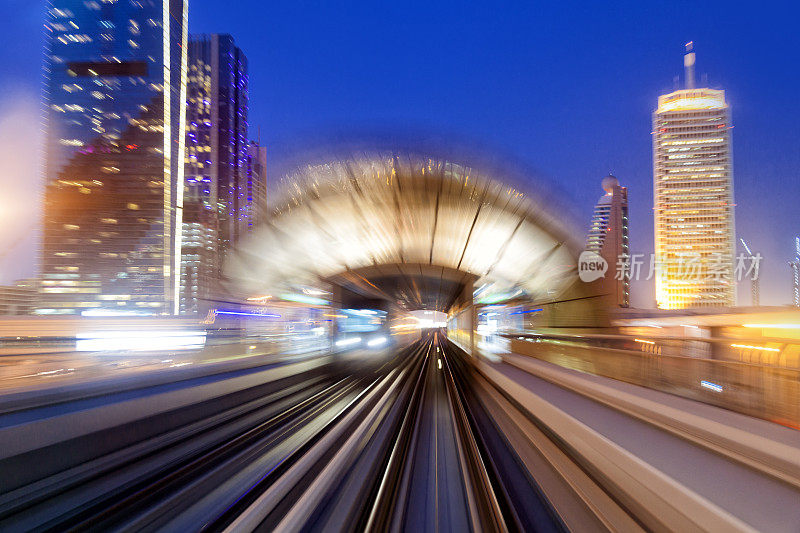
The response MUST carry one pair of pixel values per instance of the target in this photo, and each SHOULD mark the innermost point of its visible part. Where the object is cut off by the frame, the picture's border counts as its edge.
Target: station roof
(398, 220)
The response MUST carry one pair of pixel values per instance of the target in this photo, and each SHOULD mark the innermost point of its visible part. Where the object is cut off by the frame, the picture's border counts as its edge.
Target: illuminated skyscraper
(796, 273)
(693, 187)
(608, 237)
(217, 162)
(116, 83)
(255, 206)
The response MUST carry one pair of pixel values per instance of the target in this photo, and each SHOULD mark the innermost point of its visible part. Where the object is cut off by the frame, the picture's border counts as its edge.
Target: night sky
(567, 89)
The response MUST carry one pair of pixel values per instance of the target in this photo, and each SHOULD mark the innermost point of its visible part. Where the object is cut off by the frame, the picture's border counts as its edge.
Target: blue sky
(567, 88)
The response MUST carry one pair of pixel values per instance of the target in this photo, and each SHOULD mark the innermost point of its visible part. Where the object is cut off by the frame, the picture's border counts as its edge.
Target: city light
(773, 326)
(351, 341)
(259, 298)
(750, 347)
(244, 313)
(101, 341)
(224, 321)
(711, 386)
(303, 299)
(379, 341)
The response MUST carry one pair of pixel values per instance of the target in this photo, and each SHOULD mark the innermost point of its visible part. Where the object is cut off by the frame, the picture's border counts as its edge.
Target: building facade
(795, 265)
(693, 189)
(608, 237)
(255, 206)
(21, 298)
(217, 162)
(115, 87)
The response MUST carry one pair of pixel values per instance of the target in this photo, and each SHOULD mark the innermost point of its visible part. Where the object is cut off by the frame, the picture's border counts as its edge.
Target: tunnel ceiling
(409, 286)
(364, 216)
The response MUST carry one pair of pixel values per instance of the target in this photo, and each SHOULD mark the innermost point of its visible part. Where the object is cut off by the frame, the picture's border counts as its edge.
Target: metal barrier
(763, 391)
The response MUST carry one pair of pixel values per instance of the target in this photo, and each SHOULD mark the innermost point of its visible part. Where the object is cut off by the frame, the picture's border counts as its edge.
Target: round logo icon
(591, 266)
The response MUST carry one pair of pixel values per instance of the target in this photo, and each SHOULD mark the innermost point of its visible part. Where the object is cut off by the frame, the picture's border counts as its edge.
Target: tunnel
(405, 231)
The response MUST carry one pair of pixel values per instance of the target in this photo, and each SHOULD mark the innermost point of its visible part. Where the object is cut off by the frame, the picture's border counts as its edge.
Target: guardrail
(764, 391)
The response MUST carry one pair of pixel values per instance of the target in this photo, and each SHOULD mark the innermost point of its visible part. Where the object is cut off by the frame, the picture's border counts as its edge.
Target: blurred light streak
(139, 340)
(259, 298)
(303, 299)
(112, 313)
(750, 347)
(315, 292)
(242, 313)
(710, 385)
(526, 312)
(380, 341)
(348, 342)
(773, 326)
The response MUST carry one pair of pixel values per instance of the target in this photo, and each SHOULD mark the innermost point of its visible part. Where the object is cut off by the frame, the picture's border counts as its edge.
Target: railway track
(425, 440)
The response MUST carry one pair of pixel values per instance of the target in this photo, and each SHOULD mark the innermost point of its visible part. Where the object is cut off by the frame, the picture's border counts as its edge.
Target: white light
(440, 363)
(139, 340)
(710, 385)
(377, 342)
(315, 292)
(751, 347)
(348, 342)
(112, 313)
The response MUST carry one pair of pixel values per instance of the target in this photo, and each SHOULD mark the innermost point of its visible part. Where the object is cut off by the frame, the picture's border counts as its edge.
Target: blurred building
(255, 209)
(217, 162)
(115, 87)
(21, 298)
(693, 187)
(608, 237)
(796, 273)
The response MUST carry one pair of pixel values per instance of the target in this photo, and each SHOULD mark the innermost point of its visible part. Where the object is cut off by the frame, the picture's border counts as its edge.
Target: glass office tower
(254, 209)
(115, 87)
(609, 238)
(217, 162)
(694, 207)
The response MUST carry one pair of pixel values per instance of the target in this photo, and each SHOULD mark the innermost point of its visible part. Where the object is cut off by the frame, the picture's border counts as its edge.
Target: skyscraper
(217, 161)
(693, 188)
(115, 82)
(796, 273)
(608, 237)
(255, 206)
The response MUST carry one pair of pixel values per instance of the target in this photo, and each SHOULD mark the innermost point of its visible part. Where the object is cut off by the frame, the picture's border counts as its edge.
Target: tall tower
(608, 237)
(217, 157)
(255, 208)
(796, 273)
(693, 189)
(755, 290)
(115, 85)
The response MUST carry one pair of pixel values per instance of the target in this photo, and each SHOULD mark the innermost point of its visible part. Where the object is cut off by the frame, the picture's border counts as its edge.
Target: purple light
(262, 315)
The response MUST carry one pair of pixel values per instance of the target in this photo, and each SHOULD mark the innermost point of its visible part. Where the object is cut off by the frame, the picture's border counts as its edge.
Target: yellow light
(644, 341)
(773, 326)
(749, 347)
(691, 99)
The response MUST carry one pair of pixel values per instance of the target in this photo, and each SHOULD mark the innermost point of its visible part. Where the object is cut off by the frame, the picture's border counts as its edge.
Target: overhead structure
(410, 229)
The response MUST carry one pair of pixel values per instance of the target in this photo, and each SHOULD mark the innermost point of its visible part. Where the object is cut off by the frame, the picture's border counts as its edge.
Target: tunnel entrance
(413, 232)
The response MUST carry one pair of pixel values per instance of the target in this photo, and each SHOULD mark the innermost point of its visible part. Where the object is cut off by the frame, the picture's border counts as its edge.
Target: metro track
(424, 440)
(342, 452)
